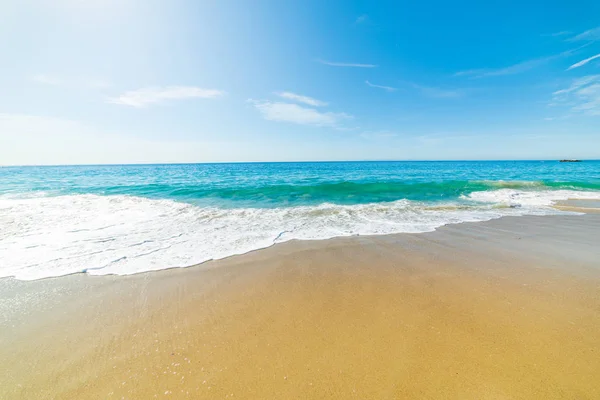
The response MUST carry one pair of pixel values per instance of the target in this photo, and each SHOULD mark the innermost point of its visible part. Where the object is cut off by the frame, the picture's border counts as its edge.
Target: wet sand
(506, 309)
(582, 206)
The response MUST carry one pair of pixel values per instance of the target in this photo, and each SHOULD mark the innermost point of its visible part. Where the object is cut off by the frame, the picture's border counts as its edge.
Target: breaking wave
(123, 234)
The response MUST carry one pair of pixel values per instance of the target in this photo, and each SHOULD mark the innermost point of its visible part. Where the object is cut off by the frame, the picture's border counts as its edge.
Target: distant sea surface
(123, 219)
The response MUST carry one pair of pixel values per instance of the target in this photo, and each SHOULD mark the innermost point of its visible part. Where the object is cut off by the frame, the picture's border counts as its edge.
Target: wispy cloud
(46, 79)
(578, 83)
(361, 19)
(582, 96)
(583, 62)
(471, 72)
(515, 68)
(556, 34)
(591, 35)
(345, 64)
(301, 99)
(146, 96)
(510, 70)
(294, 113)
(387, 88)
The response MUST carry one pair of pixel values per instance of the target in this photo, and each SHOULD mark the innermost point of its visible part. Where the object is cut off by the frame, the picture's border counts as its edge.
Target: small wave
(357, 192)
(513, 184)
(532, 198)
(310, 193)
(52, 236)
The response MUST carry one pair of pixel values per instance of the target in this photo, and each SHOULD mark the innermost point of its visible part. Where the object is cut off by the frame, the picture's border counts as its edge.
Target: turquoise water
(123, 219)
(293, 184)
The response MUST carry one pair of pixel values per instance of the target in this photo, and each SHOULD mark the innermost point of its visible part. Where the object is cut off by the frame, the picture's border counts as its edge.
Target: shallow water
(123, 219)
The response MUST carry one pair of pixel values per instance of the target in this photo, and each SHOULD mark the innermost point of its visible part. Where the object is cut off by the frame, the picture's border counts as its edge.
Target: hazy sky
(124, 81)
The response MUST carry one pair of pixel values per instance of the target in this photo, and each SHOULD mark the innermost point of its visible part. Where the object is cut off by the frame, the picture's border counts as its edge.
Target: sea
(126, 219)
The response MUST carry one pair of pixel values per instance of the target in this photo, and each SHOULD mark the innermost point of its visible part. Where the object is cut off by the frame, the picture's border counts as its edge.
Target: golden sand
(475, 311)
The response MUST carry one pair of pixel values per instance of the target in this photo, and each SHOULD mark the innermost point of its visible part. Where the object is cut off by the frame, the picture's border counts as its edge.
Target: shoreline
(571, 206)
(502, 308)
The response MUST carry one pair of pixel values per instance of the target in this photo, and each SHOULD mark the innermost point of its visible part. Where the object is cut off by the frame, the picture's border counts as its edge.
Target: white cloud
(388, 88)
(46, 80)
(288, 112)
(556, 34)
(301, 99)
(344, 64)
(510, 70)
(578, 83)
(515, 68)
(583, 62)
(582, 97)
(471, 72)
(143, 97)
(591, 35)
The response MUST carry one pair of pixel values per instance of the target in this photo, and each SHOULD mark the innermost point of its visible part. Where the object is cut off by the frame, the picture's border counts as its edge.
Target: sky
(132, 81)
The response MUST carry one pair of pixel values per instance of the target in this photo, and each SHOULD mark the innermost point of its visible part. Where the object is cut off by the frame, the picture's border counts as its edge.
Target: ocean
(125, 219)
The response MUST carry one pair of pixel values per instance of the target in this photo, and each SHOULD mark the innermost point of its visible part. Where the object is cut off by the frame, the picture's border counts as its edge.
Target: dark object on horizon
(570, 161)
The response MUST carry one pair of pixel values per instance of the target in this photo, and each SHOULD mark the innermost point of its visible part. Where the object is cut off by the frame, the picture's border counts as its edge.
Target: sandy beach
(505, 309)
(299, 200)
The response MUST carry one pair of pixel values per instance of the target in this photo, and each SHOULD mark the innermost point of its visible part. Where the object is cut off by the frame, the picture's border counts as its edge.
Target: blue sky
(189, 81)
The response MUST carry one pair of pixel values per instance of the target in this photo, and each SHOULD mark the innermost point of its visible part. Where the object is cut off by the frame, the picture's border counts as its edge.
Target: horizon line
(291, 162)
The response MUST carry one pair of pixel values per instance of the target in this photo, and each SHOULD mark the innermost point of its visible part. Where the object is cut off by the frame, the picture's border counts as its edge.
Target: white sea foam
(52, 236)
(542, 198)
